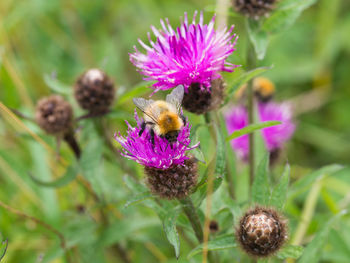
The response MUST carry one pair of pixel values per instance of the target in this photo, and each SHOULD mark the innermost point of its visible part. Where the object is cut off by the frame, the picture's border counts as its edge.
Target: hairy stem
(192, 216)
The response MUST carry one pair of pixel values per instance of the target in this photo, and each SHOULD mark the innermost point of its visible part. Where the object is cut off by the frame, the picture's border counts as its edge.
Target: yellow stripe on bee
(168, 121)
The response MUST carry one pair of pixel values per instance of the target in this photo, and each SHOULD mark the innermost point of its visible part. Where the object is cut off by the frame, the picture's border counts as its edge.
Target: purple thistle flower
(193, 53)
(274, 137)
(161, 155)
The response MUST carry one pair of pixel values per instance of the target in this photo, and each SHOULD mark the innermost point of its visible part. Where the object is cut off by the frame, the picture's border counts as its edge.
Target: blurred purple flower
(193, 53)
(274, 137)
(161, 155)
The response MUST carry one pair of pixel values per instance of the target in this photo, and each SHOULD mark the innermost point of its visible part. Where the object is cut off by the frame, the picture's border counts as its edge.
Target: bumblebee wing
(176, 96)
(146, 107)
(142, 103)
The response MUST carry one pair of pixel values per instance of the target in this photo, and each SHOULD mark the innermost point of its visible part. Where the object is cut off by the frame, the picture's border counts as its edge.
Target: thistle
(170, 172)
(261, 232)
(274, 137)
(94, 91)
(193, 55)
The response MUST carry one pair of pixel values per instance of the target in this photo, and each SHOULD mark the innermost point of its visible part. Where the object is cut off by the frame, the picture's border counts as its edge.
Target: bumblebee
(263, 88)
(163, 117)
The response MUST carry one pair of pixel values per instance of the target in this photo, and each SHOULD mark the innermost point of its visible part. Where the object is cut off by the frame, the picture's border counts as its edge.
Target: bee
(164, 117)
(263, 88)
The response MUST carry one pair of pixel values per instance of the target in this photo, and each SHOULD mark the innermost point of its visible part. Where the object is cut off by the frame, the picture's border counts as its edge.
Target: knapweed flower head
(54, 114)
(261, 232)
(254, 8)
(192, 53)
(274, 137)
(161, 154)
(94, 91)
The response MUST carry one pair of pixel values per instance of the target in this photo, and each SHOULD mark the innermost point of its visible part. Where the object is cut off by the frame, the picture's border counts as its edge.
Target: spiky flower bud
(254, 8)
(200, 100)
(261, 232)
(94, 91)
(174, 182)
(54, 114)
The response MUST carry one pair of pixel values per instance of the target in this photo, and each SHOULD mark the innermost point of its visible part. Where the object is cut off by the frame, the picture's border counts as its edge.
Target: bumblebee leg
(143, 127)
(152, 136)
(183, 119)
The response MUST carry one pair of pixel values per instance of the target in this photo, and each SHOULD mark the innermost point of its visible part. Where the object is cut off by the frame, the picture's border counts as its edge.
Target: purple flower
(274, 137)
(193, 53)
(237, 119)
(161, 155)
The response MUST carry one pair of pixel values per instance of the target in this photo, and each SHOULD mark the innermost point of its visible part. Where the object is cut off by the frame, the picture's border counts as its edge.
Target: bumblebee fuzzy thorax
(169, 121)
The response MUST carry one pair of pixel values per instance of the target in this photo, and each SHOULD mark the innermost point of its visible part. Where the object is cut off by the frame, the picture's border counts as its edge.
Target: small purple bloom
(161, 155)
(193, 53)
(274, 137)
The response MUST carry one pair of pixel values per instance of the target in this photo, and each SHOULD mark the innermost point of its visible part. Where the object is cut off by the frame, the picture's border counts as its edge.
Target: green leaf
(220, 165)
(70, 174)
(251, 128)
(258, 37)
(139, 90)
(137, 198)
(261, 187)
(57, 86)
(219, 243)
(312, 252)
(282, 19)
(135, 187)
(306, 181)
(242, 79)
(3, 248)
(279, 193)
(169, 226)
(197, 152)
(290, 251)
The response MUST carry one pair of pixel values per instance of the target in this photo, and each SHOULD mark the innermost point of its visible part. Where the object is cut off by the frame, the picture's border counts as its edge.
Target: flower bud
(261, 232)
(201, 100)
(94, 91)
(254, 8)
(174, 182)
(54, 114)
(213, 226)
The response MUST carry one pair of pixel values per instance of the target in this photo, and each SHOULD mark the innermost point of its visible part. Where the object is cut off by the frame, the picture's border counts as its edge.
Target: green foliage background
(40, 38)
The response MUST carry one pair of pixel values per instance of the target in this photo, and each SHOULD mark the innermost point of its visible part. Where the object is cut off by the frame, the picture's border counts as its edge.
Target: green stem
(251, 63)
(190, 211)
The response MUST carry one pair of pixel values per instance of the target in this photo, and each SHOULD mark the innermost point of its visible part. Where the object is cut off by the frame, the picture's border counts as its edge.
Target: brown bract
(175, 182)
(200, 101)
(261, 232)
(254, 8)
(54, 115)
(94, 91)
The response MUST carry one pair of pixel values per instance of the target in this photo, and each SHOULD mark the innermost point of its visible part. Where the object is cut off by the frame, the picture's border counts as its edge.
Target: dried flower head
(200, 101)
(161, 154)
(174, 182)
(94, 91)
(261, 232)
(54, 115)
(254, 8)
(274, 137)
(191, 54)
